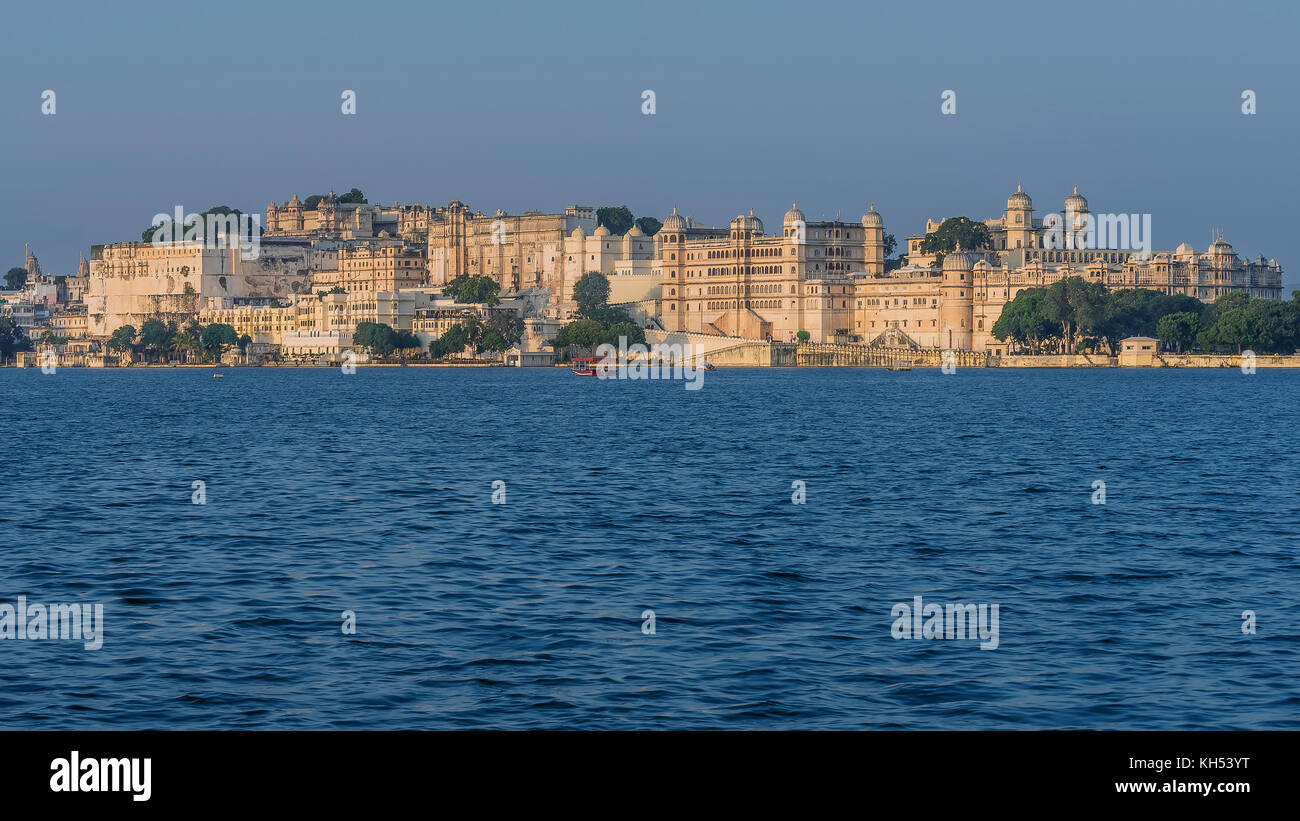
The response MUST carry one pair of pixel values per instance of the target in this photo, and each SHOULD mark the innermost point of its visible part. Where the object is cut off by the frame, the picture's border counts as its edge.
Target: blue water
(372, 492)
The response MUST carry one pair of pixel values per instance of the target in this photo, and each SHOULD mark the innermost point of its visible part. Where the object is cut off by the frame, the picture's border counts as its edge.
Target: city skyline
(531, 122)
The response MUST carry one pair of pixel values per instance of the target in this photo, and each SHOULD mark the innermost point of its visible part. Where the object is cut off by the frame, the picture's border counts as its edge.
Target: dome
(793, 215)
(1019, 200)
(674, 222)
(1221, 247)
(635, 231)
(1184, 248)
(578, 233)
(1075, 203)
(871, 219)
(601, 231)
(957, 261)
(748, 222)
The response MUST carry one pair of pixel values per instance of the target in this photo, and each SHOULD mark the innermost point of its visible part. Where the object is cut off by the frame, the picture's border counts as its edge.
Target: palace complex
(320, 270)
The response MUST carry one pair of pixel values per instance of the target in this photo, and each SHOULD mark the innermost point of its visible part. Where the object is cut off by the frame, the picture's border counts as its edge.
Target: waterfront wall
(1163, 360)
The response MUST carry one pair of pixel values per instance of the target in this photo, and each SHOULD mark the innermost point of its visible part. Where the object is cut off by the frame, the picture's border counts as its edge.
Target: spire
(1019, 190)
(1076, 189)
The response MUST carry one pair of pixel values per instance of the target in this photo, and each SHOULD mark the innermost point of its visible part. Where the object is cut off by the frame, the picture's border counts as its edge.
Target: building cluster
(320, 271)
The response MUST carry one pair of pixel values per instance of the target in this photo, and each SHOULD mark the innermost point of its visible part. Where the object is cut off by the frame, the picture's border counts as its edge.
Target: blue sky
(538, 106)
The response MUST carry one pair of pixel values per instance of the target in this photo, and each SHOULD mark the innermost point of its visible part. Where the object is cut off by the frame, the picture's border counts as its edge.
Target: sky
(537, 106)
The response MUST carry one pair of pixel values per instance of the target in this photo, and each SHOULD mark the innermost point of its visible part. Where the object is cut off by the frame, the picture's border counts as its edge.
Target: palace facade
(829, 278)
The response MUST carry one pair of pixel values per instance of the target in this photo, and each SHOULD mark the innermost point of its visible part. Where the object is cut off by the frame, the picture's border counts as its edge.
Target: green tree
(501, 331)
(473, 289)
(452, 341)
(208, 226)
(156, 336)
(649, 225)
(15, 279)
(214, 339)
(618, 219)
(591, 292)
(971, 235)
(1077, 305)
(1023, 321)
(1178, 330)
(581, 333)
(803, 336)
(122, 340)
(12, 338)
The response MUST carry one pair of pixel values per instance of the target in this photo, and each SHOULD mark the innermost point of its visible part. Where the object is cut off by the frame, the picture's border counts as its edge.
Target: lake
(373, 493)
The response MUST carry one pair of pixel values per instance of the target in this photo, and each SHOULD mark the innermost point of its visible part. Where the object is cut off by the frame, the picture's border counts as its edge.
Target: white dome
(1019, 200)
(674, 222)
(1076, 203)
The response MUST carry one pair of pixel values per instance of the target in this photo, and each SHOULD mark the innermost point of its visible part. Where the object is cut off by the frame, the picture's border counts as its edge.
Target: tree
(618, 219)
(244, 342)
(1237, 326)
(581, 333)
(215, 338)
(206, 225)
(649, 225)
(501, 331)
(890, 244)
(155, 336)
(971, 235)
(803, 336)
(12, 338)
(122, 340)
(473, 289)
(452, 341)
(591, 292)
(376, 337)
(1179, 330)
(1078, 306)
(49, 337)
(1023, 320)
(15, 279)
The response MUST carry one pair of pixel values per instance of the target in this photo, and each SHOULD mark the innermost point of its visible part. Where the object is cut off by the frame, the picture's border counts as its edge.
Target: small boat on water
(218, 376)
(899, 365)
(584, 365)
(705, 365)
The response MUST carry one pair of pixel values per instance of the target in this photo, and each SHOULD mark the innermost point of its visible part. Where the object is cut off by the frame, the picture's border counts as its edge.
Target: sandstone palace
(328, 263)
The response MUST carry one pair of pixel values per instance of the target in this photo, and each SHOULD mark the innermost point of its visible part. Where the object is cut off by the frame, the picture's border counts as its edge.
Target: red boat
(584, 365)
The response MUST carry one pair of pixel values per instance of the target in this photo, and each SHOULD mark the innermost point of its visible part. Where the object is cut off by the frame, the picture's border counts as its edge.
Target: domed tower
(794, 225)
(746, 227)
(873, 242)
(956, 301)
(1076, 208)
(672, 259)
(1019, 220)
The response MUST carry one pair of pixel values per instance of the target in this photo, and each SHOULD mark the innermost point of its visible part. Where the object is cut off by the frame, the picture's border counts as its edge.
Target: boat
(899, 365)
(705, 365)
(584, 365)
(218, 376)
